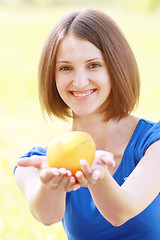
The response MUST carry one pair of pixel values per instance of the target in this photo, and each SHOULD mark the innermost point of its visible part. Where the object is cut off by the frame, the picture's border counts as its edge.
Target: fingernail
(69, 173)
(55, 171)
(113, 164)
(62, 170)
(95, 175)
(82, 162)
(78, 174)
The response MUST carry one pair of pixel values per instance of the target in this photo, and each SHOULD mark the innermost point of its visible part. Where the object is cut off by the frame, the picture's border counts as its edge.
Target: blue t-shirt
(83, 221)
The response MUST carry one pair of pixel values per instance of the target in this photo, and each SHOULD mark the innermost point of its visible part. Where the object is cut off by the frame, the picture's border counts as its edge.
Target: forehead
(73, 46)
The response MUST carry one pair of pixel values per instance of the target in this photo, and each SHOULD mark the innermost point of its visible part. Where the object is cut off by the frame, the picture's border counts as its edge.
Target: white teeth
(78, 94)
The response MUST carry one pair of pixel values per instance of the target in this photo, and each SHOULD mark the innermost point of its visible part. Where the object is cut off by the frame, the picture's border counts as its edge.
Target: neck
(106, 134)
(99, 129)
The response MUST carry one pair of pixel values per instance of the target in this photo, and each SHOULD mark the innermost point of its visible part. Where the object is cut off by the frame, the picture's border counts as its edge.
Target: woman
(88, 72)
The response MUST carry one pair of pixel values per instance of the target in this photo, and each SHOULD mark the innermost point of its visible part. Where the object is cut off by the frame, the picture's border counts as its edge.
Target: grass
(23, 31)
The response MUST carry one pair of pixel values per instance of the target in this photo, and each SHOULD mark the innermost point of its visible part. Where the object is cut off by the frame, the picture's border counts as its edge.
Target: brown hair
(101, 31)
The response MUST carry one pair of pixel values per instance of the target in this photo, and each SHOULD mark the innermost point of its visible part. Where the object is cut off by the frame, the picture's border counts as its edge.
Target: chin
(82, 113)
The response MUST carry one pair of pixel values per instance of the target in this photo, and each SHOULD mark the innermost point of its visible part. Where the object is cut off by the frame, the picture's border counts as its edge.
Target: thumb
(106, 157)
(33, 161)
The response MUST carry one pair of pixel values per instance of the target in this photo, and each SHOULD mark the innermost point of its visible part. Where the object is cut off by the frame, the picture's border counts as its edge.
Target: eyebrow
(89, 60)
(62, 61)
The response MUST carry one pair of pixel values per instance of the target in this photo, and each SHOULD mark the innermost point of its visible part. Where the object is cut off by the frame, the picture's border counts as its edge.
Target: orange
(67, 149)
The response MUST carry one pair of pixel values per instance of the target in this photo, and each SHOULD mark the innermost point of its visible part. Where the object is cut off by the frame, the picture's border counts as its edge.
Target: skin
(83, 83)
(77, 73)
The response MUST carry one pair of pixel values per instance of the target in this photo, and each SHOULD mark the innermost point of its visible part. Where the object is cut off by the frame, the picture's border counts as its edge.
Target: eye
(94, 65)
(65, 68)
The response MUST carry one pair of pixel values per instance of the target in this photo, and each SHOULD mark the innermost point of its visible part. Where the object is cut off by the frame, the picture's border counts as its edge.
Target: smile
(83, 94)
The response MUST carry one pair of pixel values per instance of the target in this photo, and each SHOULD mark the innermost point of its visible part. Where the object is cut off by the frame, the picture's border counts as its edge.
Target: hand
(58, 179)
(53, 178)
(91, 175)
(33, 161)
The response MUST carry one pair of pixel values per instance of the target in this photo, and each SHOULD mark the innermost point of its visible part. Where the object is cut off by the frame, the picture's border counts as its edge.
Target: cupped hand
(58, 179)
(91, 175)
(53, 178)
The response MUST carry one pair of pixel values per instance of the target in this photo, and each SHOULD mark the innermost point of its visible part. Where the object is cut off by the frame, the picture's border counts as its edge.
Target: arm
(46, 201)
(119, 204)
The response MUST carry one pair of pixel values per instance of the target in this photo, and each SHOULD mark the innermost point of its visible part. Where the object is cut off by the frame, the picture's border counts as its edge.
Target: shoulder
(151, 133)
(147, 126)
(146, 133)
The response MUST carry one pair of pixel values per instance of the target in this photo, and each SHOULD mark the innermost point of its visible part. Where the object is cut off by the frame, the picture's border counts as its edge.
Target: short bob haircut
(101, 31)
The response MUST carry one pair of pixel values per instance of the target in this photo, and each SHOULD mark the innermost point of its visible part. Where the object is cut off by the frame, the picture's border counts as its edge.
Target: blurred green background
(24, 26)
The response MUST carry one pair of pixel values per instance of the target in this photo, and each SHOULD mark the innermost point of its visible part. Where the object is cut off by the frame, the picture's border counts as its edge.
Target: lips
(82, 93)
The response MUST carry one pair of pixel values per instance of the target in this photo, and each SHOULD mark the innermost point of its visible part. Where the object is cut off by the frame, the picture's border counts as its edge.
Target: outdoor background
(24, 26)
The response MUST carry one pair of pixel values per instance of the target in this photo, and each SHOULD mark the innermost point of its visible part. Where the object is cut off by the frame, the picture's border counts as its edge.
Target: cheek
(105, 84)
(61, 88)
(58, 86)
(62, 83)
(59, 83)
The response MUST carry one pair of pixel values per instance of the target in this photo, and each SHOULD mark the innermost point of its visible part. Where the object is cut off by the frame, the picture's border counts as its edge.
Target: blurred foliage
(24, 26)
(16, 223)
(146, 5)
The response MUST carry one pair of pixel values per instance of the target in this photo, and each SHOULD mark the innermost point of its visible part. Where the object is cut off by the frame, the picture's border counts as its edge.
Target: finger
(96, 175)
(70, 184)
(66, 174)
(66, 183)
(75, 187)
(85, 167)
(49, 173)
(33, 161)
(91, 176)
(63, 171)
(87, 171)
(62, 184)
(52, 185)
(106, 157)
(81, 179)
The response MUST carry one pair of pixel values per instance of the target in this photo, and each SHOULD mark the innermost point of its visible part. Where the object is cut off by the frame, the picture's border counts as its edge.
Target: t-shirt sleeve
(36, 151)
(152, 135)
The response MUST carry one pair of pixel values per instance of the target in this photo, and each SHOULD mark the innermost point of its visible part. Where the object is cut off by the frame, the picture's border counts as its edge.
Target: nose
(80, 79)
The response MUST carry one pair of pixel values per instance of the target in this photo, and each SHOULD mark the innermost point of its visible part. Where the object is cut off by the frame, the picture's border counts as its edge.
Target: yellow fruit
(69, 148)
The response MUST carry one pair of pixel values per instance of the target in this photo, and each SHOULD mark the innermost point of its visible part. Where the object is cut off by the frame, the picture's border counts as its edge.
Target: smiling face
(81, 76)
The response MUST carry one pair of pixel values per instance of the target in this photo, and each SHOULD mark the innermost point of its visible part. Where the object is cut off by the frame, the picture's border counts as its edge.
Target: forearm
(115, 204)
(46, 205)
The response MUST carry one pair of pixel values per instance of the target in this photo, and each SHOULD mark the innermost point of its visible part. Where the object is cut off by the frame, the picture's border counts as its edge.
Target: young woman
(88, 72)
